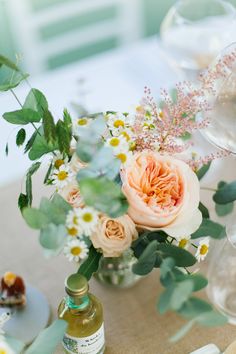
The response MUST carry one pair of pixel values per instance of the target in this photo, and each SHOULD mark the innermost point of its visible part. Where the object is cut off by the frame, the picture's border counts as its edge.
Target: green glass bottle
(84, 314)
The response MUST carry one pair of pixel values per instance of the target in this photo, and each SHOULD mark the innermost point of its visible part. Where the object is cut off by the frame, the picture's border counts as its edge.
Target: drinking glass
(221, 288)
(195, 31)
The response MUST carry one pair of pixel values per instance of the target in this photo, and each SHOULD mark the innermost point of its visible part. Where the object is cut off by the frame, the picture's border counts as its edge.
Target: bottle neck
(78, 303)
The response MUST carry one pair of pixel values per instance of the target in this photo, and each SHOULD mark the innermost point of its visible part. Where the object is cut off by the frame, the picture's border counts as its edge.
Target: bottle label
(85, 345)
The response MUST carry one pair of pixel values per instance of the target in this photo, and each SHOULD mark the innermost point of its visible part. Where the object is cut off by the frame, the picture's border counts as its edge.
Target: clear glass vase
(117, 272)
(222, 275)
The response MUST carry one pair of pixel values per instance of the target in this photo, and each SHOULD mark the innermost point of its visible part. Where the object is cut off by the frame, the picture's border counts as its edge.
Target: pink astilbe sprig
(196, 164)
(220, 70)
(168, 125)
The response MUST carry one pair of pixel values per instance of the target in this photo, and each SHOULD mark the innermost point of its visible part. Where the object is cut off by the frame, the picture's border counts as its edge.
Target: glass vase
(117, 272)
(222, 275)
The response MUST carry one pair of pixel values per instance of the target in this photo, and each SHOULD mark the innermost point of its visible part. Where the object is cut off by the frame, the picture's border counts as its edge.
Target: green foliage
(50, 211)
(181, 257)
(20, 137)
(13, 80)
(209, 228)
(49, 127)
(8, 63)
(7, 149)
(91, 264)
(193, 307)
(48, 339)
(226, 208)
(104, 195)
(204, 211)
(226, 194)
(146, 261)
(22, 116)
(40, 147)
(30, 142)
(52, 238)
(63, 136)
(22, 201)
(29, 174)
(36, 101)
(203, 170)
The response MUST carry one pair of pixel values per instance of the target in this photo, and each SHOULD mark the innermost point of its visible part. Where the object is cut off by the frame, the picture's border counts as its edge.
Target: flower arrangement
(126, 180)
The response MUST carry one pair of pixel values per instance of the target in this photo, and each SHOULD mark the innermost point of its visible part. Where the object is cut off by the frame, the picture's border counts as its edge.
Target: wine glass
(194, 32)
(222, 128)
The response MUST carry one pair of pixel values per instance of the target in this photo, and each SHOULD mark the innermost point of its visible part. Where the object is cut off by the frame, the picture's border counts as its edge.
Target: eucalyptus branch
(209, 189)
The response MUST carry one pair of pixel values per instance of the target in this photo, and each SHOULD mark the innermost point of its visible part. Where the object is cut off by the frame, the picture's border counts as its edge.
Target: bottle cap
(76, 285)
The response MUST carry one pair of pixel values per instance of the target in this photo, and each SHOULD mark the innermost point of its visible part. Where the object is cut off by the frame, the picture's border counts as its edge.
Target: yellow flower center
(87, 217)
(75, 220)
(126, 135)
(72, 231)
(76, 251)
(183, 242)
(161, 115)
(62, 175)
(58, 163)
(122, 157)
(3, 351)
(119, 123)
(114, 142)
(203, 250)
(82, 121)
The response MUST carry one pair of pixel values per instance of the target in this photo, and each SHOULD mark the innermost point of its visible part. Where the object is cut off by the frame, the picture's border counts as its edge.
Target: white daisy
(62, 176)
(203, 249)
(76, 250)
(183, 241)
(118, 143)
(124, 156)
(118, 122)
(58, 160)
(80, 123)
(88, 219)
(5, 348)
(72, 218)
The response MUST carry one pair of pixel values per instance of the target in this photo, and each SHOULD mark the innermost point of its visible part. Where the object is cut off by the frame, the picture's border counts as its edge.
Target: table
(132, 324)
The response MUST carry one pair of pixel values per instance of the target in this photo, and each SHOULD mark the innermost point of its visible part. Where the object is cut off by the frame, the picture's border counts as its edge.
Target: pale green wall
(153, 12)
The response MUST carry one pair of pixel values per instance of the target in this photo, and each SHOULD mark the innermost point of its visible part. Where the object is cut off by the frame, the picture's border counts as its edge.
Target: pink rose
(163, 193)
(114, 236)
(71, 194)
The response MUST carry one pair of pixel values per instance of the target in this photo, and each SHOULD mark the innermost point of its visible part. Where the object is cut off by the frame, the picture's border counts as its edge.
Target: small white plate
(27, 322)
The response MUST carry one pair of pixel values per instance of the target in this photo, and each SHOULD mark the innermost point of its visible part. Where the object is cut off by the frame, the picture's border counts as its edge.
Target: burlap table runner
(133, 326)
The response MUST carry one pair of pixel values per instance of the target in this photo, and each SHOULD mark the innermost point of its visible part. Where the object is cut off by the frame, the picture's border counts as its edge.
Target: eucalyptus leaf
(203, 209)
(55, 212)
(53, 237)
(182, 257)
(193, 307)
(211, 319)
(91, 264)
(181, 293)
(182, 332)
(8, 63)
(40, 147)
(104, 195)
(20, 137)
(226, 194)
(147, 259)
(163, 304)
(199, 281)
(166, 266)
(36, 101)
(224, 209)
(203, 170)
(14, 344)
(22, 116)
(35, 218)
(209, 228)
(13, 81)
(48, 339)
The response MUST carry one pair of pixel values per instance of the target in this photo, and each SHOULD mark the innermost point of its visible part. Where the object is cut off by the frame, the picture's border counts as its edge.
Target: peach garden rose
(114, 236)
(163, 193)
(71, 194)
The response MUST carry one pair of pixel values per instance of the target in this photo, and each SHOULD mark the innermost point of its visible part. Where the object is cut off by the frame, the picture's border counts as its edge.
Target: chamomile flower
(118, 122)
(118, 143)
(203, 249)
(124, 156)
(5, 348)
(183, 241)
(62, 176)
(72, 219)
(80, 123)
(88, 219)
(59, 160)
(76, 250)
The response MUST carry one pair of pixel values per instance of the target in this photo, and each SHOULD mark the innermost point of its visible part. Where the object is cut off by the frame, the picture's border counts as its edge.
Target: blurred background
(115, 46)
